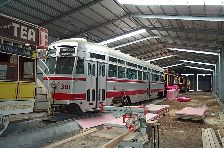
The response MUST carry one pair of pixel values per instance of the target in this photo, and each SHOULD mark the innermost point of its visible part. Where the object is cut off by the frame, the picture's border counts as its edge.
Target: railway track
(100, 137)
(38, 132)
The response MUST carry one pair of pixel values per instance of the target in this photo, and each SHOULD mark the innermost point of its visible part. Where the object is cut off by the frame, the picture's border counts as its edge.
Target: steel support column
(214, 80)
(221, 77)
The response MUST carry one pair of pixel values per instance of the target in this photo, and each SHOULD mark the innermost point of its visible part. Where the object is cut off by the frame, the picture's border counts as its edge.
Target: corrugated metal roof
(98, 20)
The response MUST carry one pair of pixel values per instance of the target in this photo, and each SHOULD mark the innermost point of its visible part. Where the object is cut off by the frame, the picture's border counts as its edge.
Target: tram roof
(108, 51)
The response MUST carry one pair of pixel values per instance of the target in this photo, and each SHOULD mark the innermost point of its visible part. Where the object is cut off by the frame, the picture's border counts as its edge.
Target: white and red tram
(84, 74)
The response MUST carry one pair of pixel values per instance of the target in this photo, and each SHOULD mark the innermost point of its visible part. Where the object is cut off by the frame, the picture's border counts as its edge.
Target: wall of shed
(219, 77)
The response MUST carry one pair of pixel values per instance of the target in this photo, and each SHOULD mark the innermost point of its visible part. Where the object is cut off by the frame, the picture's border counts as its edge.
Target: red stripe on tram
(111, 94)
(63, 96)
(127, 81)
(64, 78)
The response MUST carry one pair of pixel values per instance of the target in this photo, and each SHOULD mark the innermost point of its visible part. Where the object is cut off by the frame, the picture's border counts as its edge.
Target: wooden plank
(114, 142)
(82, 133)
(209, 138)
(131, 136)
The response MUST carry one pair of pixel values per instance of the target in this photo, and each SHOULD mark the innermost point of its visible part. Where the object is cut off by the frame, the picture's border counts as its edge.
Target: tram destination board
(15, 50)
(67, 51)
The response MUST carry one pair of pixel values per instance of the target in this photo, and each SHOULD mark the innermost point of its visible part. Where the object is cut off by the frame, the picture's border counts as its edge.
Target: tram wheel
(126, 101)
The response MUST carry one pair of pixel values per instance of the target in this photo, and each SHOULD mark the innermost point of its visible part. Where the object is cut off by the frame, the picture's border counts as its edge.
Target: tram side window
(140, 75)
(8, 67)
(3, 71)
(128, 73)
(111, 59)
(161, 78)
(121, 61)
(155, 77)
(103, 70)
(51, 65)
(131, 73)
(89, 69)
(134, 74)
(26, 69)
(80, 66)
(145, 76)
(129, 64)
(112, 70)
(121, 72)
(181, 80)
(97, 56)
(139, 66)
(93, 69)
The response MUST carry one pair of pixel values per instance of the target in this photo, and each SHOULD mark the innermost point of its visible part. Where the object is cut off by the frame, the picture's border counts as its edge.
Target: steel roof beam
(203, 47)
(140, 51)
(197, 41)
(153, 52)
(98, 26)
(70, 12)
(194, 51)
(196, 62)
(176, 17)
(146, 50)
(4, 2)
(162, 57)
(186, 30)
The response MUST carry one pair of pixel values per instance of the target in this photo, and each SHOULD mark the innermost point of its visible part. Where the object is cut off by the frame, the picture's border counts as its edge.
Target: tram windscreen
(51, 61)
(64, 65)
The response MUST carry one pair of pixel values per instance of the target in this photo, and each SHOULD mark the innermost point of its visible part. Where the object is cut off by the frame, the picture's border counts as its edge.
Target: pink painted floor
(95, 121)
(192, 111)
(117, 121)
(109, 119)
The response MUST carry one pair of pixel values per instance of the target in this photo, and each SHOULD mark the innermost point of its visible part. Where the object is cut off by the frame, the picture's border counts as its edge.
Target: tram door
(149, 85)
(101, 85)
(96, 83)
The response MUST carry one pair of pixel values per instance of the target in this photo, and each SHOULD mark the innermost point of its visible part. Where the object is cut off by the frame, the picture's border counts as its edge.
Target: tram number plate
(65, 86)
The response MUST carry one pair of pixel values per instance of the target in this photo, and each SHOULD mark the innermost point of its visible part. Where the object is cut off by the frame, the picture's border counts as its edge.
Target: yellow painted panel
(26, 90)
(8, 90)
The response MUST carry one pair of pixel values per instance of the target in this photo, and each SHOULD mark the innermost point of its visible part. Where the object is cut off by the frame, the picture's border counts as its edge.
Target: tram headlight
(54, 85)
